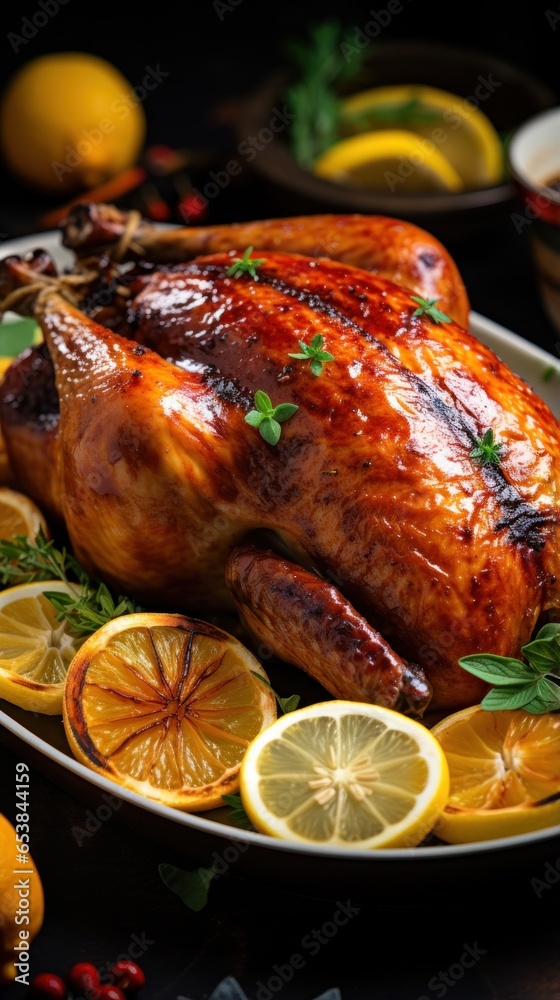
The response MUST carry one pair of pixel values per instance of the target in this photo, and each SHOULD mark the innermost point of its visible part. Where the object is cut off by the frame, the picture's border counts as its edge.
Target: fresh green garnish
(427, 307)
(518, 684)
(313, 353)
(487, 450)
(237, 813)
(286, 704)
(320, 69)
(549, 373)
(23, 561)
(268, 417)
(191, 887)
(245, 265)
(405, 112)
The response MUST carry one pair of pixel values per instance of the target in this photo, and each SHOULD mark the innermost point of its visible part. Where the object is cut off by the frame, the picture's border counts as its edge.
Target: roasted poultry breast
(372, 545)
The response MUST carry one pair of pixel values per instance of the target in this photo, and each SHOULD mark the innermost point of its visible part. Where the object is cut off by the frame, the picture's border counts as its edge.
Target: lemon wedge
(345, 774)
(388, 160)
(454, 126)
(504, 773)
(35, 649)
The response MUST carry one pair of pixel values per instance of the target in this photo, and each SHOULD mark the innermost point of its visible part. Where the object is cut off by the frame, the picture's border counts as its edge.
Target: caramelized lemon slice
(345, 774)
(35, 649)
(505, 773)
(166, 705)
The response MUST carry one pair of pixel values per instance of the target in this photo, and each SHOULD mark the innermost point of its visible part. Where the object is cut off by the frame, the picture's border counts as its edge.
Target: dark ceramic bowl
(506, 94)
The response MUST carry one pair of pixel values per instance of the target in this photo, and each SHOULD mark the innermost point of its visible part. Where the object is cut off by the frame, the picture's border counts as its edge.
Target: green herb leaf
(502, 698)
(427, 307)
(237, 813)
(547, 698)
(518, 684)
(498, 670)
(270, 430)
(191, 887)
(487, 450)
(268, 417)
(245, 265)
(543, 653)
(313, 353)
(286, 704)
(284, 411)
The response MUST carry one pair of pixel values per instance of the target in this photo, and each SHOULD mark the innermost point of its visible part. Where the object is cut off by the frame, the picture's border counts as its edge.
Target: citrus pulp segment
(35, 649)
(166, 706)
(504, 773)
(345, 774)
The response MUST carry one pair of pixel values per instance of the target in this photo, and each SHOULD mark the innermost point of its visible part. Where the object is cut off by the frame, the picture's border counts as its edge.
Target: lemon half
(35, 649)
(345, 774)
(504, 773)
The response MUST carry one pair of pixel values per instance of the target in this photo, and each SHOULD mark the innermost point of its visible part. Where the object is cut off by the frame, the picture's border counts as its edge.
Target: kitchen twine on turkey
(66, 283)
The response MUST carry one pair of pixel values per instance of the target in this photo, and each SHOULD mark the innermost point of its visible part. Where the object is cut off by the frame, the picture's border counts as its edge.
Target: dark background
(105, 889)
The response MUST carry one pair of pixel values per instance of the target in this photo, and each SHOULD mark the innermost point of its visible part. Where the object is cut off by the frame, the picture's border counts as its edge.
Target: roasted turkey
(371, 545)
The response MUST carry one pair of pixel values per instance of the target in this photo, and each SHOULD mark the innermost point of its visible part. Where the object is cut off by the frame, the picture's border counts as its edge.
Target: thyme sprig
(487, 450)
(25, 561)
(428, 307)
(245, 265)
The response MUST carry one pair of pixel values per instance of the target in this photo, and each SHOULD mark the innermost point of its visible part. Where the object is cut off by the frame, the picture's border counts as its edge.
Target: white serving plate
(398, 875)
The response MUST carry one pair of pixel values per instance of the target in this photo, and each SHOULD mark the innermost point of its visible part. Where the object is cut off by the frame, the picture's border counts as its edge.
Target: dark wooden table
(104, 896)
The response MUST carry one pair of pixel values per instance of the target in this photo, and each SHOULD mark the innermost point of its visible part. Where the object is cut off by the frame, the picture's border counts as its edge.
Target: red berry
(128, 976)
(47, 986)
(83, 976)
(109, 993)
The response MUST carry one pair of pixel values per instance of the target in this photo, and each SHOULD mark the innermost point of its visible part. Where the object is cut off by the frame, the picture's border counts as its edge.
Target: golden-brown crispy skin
(393, 248)
(371, 483)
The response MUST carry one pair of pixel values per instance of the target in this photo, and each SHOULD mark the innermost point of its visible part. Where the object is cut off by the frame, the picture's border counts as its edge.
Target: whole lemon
(70, 121)
(22, 904)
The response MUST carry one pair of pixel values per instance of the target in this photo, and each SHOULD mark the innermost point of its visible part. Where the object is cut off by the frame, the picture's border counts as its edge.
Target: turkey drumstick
(392, 248)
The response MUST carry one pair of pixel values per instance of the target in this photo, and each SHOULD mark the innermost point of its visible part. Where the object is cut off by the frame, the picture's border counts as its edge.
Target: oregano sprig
(313, 353)
(428, 307)
(268, 418)
(527, 684)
